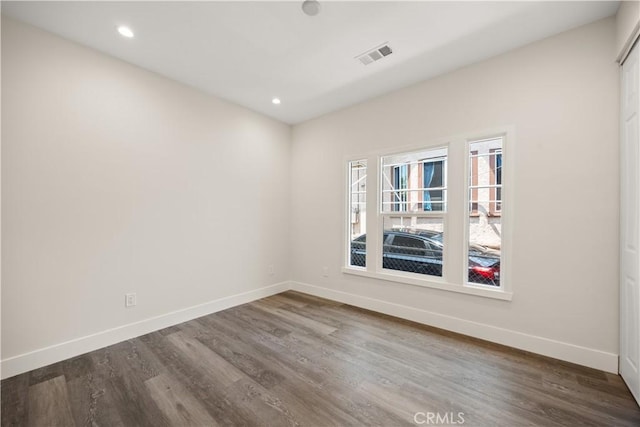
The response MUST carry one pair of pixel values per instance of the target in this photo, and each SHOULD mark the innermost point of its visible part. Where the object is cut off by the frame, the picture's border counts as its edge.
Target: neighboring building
(417, 182)
(485, 198)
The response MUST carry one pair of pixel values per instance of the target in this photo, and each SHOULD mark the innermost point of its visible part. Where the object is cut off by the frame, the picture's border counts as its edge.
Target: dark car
(420, 251)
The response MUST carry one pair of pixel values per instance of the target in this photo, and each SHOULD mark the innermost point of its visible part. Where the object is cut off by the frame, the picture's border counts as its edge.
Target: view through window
(412, 221)
(357, 212)
(413, 205)
(485, 205)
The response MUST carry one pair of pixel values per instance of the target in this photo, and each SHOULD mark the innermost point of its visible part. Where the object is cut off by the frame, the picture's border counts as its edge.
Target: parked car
(420, 251)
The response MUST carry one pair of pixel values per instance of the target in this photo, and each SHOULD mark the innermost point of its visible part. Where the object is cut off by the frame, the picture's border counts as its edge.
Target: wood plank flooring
(297, 360)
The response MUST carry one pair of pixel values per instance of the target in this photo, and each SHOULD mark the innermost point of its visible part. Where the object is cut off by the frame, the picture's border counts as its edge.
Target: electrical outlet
(130, 300)
(272, 270)
(325, 271)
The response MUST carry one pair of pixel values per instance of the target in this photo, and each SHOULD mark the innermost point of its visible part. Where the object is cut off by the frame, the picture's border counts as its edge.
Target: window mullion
(455, 234)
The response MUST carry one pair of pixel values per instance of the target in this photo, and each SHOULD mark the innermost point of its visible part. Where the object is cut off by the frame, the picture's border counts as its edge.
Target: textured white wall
(117, 180)
(561, 97)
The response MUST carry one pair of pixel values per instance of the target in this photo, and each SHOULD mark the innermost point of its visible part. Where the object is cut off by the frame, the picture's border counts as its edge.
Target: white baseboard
(45, 356)
(559, 350)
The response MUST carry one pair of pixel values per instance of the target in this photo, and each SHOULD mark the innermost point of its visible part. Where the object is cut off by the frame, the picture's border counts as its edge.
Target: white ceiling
(249, 52)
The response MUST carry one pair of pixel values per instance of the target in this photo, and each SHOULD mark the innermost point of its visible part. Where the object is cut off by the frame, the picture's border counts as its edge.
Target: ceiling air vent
(375, 54)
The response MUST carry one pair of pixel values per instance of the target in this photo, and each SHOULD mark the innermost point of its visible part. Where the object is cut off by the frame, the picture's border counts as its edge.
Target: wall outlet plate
(130, 300)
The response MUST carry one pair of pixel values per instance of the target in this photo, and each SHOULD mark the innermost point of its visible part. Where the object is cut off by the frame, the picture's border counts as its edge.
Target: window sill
(433, 283)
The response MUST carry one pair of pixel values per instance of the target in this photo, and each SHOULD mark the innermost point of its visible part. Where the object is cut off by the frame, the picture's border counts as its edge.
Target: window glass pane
(433, 177)
(413, 182)
(485, 205)
(357, 212)
(413, 244)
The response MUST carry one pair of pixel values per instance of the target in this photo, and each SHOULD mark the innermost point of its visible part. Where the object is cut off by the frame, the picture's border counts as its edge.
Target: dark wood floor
(292, 359)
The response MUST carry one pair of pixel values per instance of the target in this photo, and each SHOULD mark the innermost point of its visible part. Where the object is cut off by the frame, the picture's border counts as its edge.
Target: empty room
(320, 213)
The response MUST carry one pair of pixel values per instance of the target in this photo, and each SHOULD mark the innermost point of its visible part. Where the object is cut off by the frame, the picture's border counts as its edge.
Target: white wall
(117, 180)
(561, 97)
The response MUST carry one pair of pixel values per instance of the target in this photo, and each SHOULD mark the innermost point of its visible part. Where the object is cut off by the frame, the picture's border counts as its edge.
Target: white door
(630, 225)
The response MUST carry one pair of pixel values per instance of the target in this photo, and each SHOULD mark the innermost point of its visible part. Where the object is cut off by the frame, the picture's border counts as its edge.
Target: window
(413, 208)
(485, 204)
(357, 172)
(439, 219)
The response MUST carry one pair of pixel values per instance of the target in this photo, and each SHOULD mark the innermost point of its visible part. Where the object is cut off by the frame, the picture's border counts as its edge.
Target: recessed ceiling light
(276, 101)
(311, 7)
(125, 31)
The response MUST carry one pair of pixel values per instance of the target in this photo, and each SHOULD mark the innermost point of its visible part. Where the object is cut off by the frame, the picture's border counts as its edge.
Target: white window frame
(504, 243)
(455, 274)
(348, 223)
(381, 215)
